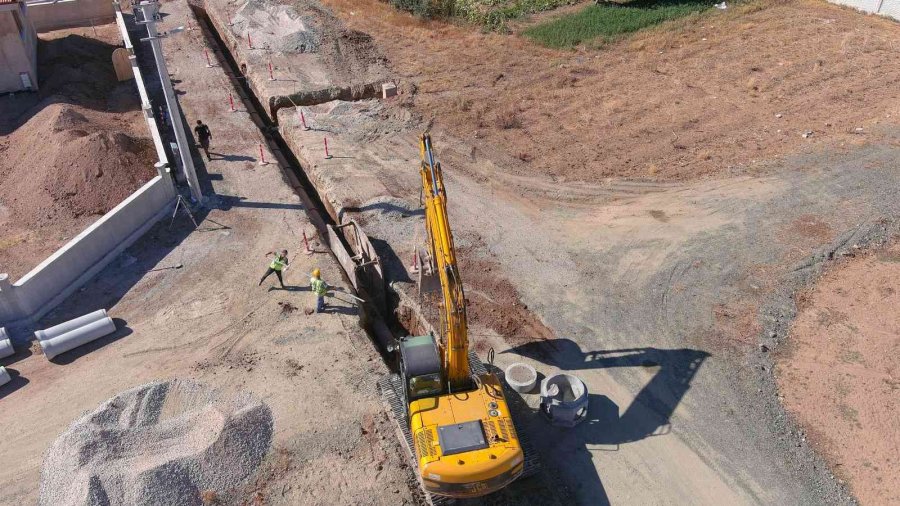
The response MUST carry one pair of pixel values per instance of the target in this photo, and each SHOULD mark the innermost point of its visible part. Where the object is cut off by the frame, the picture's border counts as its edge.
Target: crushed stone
(165, 442)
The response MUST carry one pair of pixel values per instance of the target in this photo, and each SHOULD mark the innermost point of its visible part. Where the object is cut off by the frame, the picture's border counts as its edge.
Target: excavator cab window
(421, 366)
(425, 385)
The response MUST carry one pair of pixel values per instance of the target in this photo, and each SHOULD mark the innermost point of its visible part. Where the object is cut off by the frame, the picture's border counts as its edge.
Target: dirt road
(838, 372)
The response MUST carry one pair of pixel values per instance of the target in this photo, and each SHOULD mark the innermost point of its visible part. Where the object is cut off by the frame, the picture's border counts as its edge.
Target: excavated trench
(379, 320)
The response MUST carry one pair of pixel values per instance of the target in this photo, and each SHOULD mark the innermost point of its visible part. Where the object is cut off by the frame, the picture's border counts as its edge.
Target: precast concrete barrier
(62, 328)
(77, 337)
(6, 347)
(4, 376)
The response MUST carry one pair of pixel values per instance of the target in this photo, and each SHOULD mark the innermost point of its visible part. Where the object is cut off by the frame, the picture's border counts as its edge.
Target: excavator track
(391, 387)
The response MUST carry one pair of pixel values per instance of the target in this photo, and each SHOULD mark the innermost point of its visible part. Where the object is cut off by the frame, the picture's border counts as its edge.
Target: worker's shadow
(231, 158)
(605, 427)
(347, 310)
(290, 288)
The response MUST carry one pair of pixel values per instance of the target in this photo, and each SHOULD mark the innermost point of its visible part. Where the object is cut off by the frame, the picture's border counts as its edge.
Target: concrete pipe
(564, 400)
(521, 377)
(6, 347)
(62, 328)
(75, 338)
(4, 376)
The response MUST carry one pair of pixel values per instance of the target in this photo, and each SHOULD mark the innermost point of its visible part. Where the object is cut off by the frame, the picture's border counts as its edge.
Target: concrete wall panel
(47, 16)
(68, 268)
(18, 50)
(889, 8)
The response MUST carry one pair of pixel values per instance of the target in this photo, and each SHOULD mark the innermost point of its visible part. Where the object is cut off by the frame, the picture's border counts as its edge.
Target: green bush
(608, 21)
(426, 8)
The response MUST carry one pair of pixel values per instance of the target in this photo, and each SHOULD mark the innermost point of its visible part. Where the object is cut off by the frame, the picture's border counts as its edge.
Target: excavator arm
(455, 345)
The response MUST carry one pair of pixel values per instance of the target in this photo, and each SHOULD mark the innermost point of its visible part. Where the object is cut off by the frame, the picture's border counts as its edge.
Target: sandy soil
(839, 372)
(72, 151)
(676, 103)
(210, 322)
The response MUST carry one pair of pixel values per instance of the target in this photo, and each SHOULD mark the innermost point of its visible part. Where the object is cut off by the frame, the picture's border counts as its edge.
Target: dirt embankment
(839, 373)
(683, 101)
(72, 151)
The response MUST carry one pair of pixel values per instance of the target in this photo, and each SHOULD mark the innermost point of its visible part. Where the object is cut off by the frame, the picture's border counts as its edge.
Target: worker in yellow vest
(320, 288)
(278, 264)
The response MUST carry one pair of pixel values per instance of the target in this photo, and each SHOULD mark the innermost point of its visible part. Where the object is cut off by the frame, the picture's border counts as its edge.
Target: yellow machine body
(472, 473)
(464, 438)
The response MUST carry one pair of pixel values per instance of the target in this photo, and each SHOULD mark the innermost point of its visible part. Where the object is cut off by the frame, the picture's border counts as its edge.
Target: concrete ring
(521, 377)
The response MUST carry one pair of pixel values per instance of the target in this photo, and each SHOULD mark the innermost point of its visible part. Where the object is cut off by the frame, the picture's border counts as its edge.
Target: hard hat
(316, 273)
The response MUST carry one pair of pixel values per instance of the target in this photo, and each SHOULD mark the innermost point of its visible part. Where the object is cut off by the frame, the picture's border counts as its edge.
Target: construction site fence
(83, 257)
(24, 302)
(889, 8)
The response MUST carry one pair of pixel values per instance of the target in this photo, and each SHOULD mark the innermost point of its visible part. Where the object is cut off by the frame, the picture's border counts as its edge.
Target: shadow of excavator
(605, 429)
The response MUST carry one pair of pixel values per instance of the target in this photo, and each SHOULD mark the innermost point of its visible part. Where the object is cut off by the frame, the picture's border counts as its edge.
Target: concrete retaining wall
(84, 256)
(889, 8)
(50, 15)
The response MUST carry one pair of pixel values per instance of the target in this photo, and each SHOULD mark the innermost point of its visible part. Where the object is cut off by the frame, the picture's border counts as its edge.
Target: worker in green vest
(278, 264)
(319, 288)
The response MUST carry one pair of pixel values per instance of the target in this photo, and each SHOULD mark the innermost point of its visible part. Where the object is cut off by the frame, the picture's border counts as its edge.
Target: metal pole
(149, 10)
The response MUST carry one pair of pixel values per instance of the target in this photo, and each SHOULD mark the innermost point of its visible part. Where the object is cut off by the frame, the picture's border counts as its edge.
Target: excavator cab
(420, 367)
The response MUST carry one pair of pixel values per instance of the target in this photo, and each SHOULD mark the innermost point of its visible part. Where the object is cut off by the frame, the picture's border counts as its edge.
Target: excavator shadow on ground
(605, 429)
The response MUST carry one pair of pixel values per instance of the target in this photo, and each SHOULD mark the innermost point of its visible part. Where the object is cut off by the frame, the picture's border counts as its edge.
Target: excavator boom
(455, 357)
(451, 410)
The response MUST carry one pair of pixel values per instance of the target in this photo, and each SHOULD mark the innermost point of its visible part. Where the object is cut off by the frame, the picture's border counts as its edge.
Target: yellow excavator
(452, 411)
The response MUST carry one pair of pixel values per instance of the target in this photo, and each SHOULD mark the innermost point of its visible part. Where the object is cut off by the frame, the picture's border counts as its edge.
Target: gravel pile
(171, 442)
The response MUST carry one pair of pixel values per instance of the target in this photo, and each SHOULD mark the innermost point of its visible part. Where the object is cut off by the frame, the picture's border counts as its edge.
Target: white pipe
(62, 328)
(4, 376)
(6, 347)
(77, 337)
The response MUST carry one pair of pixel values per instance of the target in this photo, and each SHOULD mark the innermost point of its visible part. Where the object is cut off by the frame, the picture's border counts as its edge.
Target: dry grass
(508, 119)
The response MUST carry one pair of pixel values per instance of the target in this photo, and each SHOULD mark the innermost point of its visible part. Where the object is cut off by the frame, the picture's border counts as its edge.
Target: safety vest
(319, 287)
(278, 263)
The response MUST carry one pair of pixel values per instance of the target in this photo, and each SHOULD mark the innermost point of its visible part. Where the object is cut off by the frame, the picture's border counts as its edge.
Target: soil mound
(70, 152)
(63, 164)
(172, 442)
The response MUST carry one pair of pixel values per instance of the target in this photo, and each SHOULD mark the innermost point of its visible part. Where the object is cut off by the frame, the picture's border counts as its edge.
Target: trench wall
(71, 266)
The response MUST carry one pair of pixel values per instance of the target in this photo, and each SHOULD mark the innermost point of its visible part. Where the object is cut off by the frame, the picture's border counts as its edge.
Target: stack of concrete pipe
(4, 376)
(6, 350)
(6, 347)
(74, 333)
